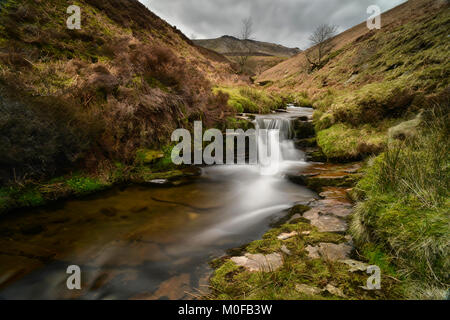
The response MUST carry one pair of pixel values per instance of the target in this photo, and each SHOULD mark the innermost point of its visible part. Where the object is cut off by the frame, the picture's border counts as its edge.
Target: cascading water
(276, 148)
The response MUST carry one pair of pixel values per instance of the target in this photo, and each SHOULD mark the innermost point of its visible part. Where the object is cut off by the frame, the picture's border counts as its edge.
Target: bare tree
(320, 39)
(245, 36)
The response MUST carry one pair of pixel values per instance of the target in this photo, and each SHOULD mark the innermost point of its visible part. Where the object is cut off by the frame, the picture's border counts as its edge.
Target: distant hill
(231, 46)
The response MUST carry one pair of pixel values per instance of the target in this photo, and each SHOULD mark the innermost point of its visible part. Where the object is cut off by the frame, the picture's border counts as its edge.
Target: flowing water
(150, 242)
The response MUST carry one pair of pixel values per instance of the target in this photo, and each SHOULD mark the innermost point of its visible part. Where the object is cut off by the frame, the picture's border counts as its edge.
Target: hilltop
(231, 46)
(263, 55)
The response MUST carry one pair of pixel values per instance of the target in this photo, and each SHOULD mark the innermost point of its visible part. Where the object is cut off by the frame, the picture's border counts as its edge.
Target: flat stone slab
(259, 262)
(333, 207)
(330, 251)
(335, 252)
(325, 223)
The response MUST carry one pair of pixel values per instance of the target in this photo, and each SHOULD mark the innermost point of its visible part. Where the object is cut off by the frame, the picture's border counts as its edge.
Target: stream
(141, 242)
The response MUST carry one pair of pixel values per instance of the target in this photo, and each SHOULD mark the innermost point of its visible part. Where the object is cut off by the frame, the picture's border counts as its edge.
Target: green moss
(251, 100)
(233, 123)
(85, 185)
(343, 142)
(16, 197)
(146, 156)
(300, 99)
(30, 198)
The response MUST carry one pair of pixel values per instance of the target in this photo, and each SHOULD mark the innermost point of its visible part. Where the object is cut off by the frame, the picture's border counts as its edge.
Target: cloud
(287, 22)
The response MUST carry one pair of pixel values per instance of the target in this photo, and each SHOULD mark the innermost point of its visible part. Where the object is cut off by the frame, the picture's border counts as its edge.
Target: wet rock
(297, 178)
(335, 193)
(304, 130)
(317, 182)
(306, 143)
(355, 266)
(335, 291)
(332, 207)
(299, 209)
(294, 218)
(286, 236)
(315, 155)
(259, 262)
(174, 289)
(308, 290)
(354, 168)
(325, 223)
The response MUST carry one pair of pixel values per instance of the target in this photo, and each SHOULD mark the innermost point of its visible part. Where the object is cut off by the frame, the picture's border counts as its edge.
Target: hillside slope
(372, 79)
(383, 97)
(293, 72)
(70, 98)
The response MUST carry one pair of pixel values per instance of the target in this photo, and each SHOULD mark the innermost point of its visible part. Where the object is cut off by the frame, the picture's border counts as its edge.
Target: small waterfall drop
(276, 147)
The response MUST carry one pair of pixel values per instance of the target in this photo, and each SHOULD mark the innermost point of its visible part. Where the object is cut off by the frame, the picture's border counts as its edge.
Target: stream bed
(142, 242)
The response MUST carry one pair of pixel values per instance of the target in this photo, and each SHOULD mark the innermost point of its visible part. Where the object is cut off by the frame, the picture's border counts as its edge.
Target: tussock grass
(403, 208)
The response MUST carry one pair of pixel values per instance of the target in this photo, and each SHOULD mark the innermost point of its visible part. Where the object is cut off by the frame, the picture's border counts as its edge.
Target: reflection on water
(142, 242)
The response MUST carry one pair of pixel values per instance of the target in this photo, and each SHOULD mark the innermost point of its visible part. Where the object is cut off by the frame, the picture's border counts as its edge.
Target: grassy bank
(402, 217)
(258, 100)
(251, 100)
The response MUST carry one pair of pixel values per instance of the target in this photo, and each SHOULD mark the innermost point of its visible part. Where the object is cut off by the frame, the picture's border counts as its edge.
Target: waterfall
(275, 144)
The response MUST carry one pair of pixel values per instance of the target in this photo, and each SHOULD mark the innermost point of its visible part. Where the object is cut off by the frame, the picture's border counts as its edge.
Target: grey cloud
(287, 22)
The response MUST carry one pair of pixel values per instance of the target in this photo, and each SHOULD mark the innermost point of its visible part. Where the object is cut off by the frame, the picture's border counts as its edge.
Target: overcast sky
(287, 22)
